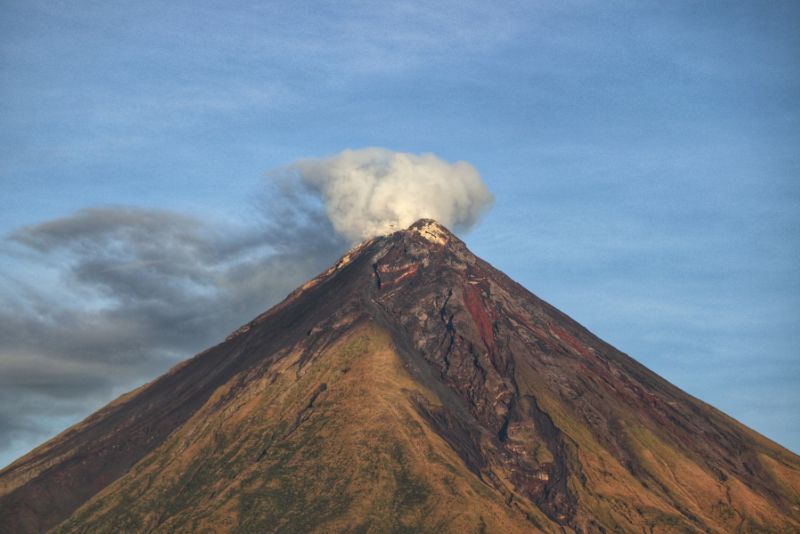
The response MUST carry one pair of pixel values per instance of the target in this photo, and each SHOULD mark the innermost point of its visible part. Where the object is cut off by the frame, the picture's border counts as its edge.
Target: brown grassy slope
(335, 444)
(533, 422)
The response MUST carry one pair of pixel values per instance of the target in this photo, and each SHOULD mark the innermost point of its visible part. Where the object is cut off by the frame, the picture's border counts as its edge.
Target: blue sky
(643, 157)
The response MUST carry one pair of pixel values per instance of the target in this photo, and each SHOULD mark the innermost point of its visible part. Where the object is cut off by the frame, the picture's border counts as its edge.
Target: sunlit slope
(334, 443)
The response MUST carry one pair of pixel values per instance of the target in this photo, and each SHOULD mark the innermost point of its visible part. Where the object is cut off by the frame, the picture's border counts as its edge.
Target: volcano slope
(410, 387)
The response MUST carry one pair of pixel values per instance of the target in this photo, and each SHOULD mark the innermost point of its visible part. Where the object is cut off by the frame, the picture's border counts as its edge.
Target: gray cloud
(136, 290)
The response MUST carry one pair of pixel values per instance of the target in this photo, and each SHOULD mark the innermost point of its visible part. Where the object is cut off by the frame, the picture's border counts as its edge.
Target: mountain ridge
(538, 422)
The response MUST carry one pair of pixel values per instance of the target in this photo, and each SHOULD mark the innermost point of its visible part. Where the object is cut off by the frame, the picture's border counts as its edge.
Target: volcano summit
(410, 387)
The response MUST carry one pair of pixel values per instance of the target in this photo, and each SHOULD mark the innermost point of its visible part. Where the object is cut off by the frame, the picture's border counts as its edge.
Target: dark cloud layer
(136, 291)
(127, 292)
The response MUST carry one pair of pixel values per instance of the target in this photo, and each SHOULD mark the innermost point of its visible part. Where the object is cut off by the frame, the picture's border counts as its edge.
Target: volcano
(409, 387)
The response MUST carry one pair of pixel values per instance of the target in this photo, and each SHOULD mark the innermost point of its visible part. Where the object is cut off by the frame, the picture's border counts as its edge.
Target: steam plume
(372, 191)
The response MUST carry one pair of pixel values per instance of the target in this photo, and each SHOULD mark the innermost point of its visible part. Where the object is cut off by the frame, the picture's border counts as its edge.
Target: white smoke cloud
(373, 191)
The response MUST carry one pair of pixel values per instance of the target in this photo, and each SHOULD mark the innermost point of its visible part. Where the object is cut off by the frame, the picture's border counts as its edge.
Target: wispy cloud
(132, 291)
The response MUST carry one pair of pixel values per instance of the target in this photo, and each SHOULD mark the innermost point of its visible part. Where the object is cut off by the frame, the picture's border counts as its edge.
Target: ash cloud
(372, 191)
(115, 296)
(107, 298)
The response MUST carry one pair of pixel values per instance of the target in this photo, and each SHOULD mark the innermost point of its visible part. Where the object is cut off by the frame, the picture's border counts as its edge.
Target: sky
(642, 156)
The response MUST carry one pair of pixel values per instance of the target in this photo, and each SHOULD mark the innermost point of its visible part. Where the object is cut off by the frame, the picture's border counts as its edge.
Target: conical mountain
(410, 387)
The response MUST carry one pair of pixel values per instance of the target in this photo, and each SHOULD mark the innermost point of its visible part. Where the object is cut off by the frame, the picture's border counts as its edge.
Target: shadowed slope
(46, 485)
(409, 386)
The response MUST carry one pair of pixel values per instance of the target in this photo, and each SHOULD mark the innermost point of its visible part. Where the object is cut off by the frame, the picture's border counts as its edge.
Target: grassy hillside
(334, 444)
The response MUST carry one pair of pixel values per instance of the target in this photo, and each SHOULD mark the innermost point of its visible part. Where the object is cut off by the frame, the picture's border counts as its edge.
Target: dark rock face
(544, 413)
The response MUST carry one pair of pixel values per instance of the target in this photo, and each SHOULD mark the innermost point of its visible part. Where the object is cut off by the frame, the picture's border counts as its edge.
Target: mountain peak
(432, 231)
(408, 380)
